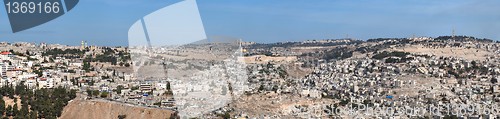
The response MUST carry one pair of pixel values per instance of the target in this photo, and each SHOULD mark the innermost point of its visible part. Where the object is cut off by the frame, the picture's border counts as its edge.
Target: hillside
(87, 109)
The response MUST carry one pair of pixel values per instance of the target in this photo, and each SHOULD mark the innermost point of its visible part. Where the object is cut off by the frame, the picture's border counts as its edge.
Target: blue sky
(106, 22)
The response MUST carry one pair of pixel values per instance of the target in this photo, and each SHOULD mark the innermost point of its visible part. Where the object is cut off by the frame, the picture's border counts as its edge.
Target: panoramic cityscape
(418, 77)
(259, 59)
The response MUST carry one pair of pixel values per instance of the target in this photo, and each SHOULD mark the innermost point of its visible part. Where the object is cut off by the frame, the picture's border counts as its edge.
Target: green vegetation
(16, 53)
(110, 55)
(122, 116)
(385, 54)
(67, 53)
(226, 115)
(462, 38)
(104, 94)
(40, 103)
(335, 54)
(386, 39)
(119, 89)
(38, 72)
(157, 103)
(398, 60)
(393, 57)
(344, 102)
(86, 66)
(102, 58)
(135, 88)
(93, 93)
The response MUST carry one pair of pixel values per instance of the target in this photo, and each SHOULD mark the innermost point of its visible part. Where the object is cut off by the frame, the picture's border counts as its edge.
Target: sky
(106, 22)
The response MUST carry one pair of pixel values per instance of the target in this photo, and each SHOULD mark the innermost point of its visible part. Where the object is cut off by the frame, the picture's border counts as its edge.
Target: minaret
(453, 33)
(83, 45)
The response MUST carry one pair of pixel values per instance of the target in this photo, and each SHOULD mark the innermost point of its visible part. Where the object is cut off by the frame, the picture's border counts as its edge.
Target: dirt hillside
(85, 109)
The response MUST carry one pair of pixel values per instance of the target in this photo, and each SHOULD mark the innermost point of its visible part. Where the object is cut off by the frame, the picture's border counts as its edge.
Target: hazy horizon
(106, 22)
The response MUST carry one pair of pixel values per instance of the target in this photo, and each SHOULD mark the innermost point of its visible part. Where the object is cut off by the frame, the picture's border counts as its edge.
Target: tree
(261, 87)
(2, 106)
(20, 89)
(95, 92)
(494, 80)
(15, 110)
(74, 81)
(174, 115)
(86, 66)
(24, 110)
(39, 72)
(113, 62)
(32, 115)
(7, 91)
(122, 116)
(168, 85)
(91, 82)
(72, 94)
(344, 102)
(9, 111)
(135, 88)
(89, 93)
(40, 103)
(104, 94)
(226, 115)
(157, 103)
(119, 89)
